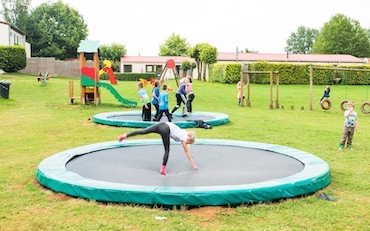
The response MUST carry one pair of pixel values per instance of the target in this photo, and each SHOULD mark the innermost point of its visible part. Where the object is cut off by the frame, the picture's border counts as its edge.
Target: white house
(143, 64)
(11, 35)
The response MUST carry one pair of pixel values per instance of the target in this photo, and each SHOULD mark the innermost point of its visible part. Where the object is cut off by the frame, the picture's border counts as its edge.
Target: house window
(127, 68)
(16, 39)
(149, 68)
(158, 69)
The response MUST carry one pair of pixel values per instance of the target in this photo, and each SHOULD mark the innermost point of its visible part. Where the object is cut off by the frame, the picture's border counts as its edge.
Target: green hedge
(12, 58)
(290, 73)
(130, 76)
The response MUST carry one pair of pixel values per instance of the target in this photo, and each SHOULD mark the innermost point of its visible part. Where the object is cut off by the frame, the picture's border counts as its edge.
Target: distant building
(144, 64)
(289, 58)
(11, 35)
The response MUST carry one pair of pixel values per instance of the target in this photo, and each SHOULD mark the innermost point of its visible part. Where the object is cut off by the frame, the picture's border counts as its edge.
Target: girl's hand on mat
(194, 166)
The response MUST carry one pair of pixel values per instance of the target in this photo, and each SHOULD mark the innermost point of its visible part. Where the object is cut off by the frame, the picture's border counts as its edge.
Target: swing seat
(337, 80)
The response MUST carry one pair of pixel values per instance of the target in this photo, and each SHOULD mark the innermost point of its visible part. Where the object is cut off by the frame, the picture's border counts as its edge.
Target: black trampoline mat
(219, 165)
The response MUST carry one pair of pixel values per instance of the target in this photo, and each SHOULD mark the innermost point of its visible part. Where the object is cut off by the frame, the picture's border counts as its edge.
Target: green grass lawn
(38, 121)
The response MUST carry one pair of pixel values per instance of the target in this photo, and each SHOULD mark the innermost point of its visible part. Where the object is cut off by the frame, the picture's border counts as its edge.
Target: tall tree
(249, 51)
(342, 35)
(204, 54)
(208, 56)
(194, 52)
(174, 46)
(301, 41)
(15, 12)
(112, 52)
(367, 31)
(55, 30)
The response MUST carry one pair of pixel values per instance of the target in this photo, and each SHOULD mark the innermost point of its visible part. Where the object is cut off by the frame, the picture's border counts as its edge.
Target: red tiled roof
(154, 59)
(252, 57)
(317, 58)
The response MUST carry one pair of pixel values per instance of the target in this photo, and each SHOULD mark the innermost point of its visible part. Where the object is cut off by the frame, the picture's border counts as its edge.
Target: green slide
(116, 95)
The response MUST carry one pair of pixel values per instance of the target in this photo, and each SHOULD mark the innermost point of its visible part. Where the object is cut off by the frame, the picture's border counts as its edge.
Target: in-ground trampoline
(230, 173)
(133, 119)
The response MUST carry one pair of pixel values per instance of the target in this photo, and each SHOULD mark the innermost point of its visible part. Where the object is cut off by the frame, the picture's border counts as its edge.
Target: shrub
(12, 58)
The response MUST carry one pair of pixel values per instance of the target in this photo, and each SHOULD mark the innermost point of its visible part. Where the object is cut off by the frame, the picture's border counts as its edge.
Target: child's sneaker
(340, 147)
(163, 170)
(349, 147)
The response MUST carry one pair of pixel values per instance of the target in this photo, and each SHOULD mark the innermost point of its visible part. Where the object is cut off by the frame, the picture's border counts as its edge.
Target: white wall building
(144, 64)
(11, 35)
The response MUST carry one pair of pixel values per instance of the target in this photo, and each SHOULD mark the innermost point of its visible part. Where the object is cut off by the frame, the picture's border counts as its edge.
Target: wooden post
(83, 88)
(242, 87)
(277, 105)
(70, 89)
(311, 83)
(97, 78)
(271, 84)
(248, 90)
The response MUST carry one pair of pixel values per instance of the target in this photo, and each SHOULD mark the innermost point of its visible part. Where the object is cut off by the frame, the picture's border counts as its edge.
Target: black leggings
(162, 129)
(189, 102)
(180, 98)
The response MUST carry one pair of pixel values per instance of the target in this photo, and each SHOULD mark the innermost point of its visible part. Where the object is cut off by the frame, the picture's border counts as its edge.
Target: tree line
(55, 30)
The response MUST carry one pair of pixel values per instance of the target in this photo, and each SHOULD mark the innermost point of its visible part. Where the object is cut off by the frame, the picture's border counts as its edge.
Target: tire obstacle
(326, 103)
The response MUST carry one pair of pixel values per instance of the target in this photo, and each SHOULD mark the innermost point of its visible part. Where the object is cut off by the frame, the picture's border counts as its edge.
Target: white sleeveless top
(177, 133)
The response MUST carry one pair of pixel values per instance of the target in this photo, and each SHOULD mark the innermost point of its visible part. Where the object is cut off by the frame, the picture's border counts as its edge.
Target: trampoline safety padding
(133, 119)
(230, 173)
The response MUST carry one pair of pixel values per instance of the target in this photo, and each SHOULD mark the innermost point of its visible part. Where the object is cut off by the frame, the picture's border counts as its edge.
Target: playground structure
(90, 77)
(248, 98)
(44, 78)
(326, 103)
(170, 65)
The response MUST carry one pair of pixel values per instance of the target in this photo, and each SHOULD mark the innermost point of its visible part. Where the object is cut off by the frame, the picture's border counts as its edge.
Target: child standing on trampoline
(180, 97)
(155, 98)
(350, 125)
(146, 112)
(167, 130)
(191, 96)
(163, 105)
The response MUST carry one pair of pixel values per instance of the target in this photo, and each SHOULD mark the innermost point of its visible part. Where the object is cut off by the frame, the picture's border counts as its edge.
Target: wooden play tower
(88, 50)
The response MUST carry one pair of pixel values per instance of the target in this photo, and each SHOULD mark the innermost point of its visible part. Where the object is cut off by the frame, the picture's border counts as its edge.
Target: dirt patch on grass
(209, 212)
(88, 122)
(61, 197)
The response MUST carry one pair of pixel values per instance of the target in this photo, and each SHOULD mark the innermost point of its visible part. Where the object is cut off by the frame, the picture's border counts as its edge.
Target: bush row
(130, 76)
(290, 73)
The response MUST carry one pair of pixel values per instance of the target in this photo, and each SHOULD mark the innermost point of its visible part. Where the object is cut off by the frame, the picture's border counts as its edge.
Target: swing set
(248, 98)
(170, 66)
(326, 103)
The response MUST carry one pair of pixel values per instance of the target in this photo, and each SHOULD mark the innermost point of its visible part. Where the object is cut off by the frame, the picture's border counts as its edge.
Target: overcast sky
(261, 25)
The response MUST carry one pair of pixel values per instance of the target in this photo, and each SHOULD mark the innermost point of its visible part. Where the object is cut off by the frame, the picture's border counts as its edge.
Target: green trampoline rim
(53, 174)
(107, 118)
